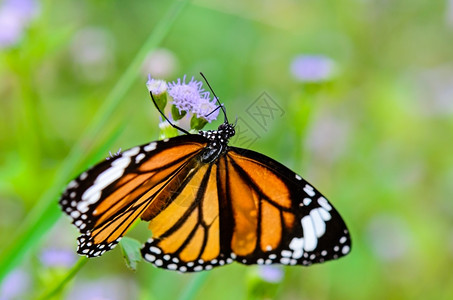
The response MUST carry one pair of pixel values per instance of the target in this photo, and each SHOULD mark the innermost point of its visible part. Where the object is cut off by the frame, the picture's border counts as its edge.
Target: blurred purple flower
(389, 237)
(53, 257)
(114, 288)
(328, 135)
(271, 274)
(434, 88)
(15, 16)
(312, 68)
(191, 97)
(15, 285)
(93, 53)
(162, 63)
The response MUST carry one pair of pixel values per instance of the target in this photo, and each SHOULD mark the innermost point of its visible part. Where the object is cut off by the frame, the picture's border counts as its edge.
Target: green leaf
(197, 123)
(161, 101)
(176, 114)
(131, 252)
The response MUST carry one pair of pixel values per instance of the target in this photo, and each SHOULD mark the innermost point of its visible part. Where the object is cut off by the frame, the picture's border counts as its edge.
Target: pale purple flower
(389, 237)
(156, 86)
(271, 274)
(54, 257)
(186, 95)
(15, 285)
(312, 68)
(328, 135)
(162, 63)
(15, 16)
(93, 53)
(111, 288)
(434, 91)
(206, 109)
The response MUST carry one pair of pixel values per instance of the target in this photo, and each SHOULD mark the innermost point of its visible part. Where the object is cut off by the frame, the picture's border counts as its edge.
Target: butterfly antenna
(216, 109)
(216, 98)
(165, 117)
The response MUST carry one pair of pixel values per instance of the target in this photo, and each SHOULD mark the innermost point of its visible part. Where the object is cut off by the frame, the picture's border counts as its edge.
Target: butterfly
(207, 204)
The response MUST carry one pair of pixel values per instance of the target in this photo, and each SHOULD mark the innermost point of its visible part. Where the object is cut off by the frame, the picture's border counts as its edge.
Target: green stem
(194, 286)
(59, 285)
(44, 215)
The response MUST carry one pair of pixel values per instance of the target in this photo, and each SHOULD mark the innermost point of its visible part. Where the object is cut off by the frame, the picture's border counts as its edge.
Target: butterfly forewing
(106, 200)
(288, 221)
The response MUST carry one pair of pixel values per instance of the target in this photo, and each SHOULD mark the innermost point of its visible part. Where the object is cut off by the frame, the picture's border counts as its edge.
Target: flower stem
(59, 285)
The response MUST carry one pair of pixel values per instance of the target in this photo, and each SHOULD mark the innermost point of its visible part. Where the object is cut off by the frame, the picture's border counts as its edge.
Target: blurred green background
(365, 91)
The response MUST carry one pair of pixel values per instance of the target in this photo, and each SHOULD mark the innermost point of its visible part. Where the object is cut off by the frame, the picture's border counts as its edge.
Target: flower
(312, 68)
(161, 62)
(15, 285)
(156, 86)
(206, 109)
(111, 288)
(389, 237)
(54, 257)
(191, 97)
(93, 54)
(185, 95)
(271, 274)
(15, 16)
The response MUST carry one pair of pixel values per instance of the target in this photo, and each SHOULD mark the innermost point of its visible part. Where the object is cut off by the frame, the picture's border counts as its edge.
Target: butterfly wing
(106, 200)
(244, 207)
(277, 216)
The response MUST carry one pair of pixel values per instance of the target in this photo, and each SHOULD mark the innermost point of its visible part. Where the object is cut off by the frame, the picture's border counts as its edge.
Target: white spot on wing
(309, 190)
(324, 203)
(318, 222)
(297, 245)
(75, 214)
(286, 253)
(285, 260)
(139, 157)
(150, 146)
(131, 152)
(73, 184)
(154, 250)
(298, 177)
(93, 193)
(325, 215)
(307, 201)
(345, 250)
(309, 234)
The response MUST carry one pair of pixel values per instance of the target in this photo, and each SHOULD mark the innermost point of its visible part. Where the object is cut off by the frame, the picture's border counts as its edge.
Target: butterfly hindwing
(104, 201)
(186, 236)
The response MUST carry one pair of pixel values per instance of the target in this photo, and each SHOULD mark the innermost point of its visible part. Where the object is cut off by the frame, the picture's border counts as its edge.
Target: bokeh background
(364, 91)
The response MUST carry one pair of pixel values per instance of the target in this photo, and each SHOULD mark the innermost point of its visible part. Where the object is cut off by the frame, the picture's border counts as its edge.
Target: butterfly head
(218, 141)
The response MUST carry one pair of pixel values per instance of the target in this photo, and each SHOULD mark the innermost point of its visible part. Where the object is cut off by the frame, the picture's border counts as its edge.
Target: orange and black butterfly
(207, 204)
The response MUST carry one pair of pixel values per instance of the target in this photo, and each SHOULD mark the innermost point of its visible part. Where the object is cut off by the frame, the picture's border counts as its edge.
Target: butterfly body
(208, 204)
